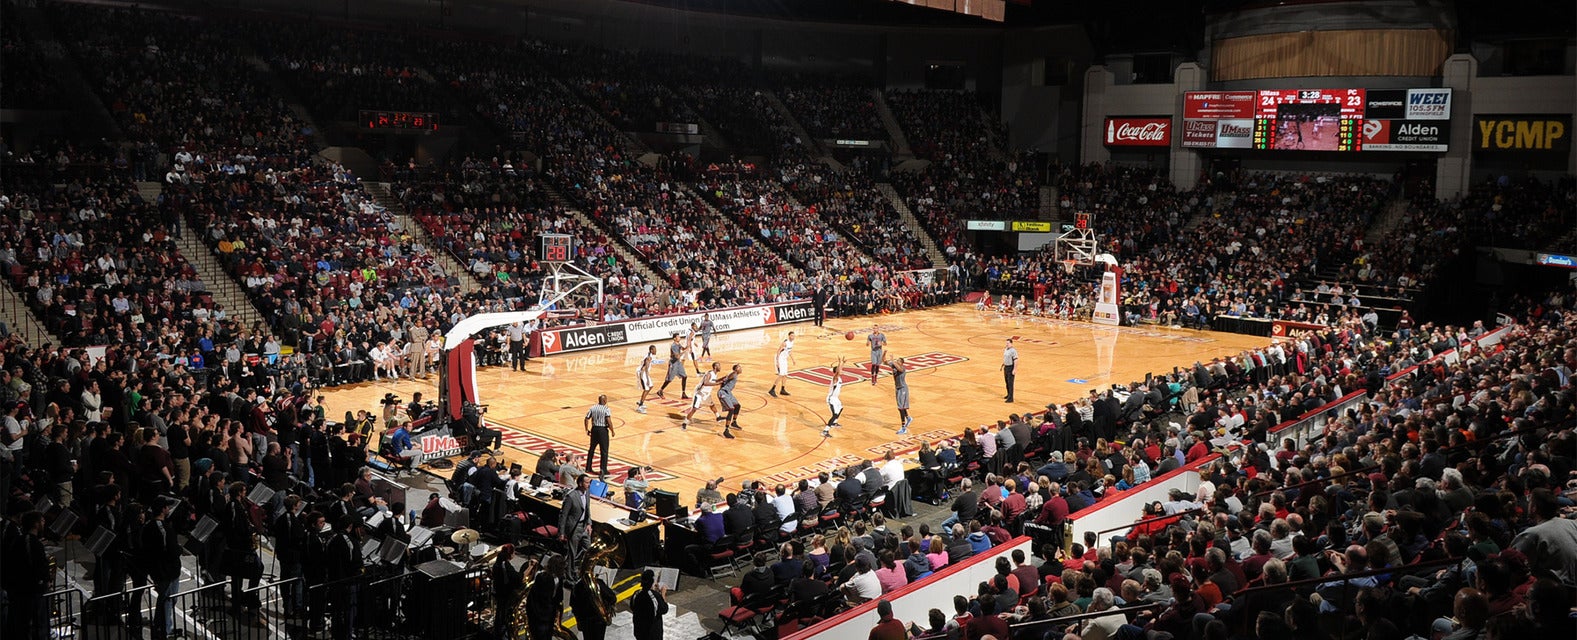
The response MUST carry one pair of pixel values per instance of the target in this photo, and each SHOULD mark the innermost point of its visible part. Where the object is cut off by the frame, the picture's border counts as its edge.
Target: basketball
(848, 335)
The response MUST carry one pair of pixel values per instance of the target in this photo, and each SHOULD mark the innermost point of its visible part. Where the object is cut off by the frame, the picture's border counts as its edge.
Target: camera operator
(481, 437)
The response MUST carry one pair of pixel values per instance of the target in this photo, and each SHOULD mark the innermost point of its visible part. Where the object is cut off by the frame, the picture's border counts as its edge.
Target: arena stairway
(631, 142)
(225, 289)
(380, 193)
(799, 129)
(19, 319)
(1388, 220)
(1048, 202)
(794, 268)
(938, 258)
(895, 133)
(620, 246)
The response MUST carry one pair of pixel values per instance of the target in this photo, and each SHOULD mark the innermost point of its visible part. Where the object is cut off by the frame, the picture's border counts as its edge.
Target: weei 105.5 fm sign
(1542, 134)
(664, 327)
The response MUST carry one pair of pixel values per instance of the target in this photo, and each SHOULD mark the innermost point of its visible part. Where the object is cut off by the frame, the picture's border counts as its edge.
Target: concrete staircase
(620, 246)
(296, 108)
(794, 269)
(1048, 202)
(894, 132)
(150, 190)
(938, 258)
(1389, 219)
(630, 142)
(621, 249)
(384, 197)
(988, 124)
(19, 318)
(225, 289)
(788, 116)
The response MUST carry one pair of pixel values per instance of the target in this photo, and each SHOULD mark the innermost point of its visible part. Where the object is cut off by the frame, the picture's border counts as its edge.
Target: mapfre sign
(1138, 132)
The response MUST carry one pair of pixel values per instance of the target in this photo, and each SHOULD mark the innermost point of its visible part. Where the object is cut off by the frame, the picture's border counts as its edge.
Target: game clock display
(1309, 119)
(556, 248)
(410, 120)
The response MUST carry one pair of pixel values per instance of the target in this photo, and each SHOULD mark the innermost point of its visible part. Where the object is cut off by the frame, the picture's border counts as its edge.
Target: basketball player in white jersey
(643, 376)
(784, 358)
(692, 344)
(703, 394)
(834, 401)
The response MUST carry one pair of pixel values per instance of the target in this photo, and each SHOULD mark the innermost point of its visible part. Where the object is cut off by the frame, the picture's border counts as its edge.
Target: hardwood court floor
(954, 355)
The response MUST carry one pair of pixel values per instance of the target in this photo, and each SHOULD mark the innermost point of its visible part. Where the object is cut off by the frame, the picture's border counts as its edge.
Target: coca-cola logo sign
(1138, 132)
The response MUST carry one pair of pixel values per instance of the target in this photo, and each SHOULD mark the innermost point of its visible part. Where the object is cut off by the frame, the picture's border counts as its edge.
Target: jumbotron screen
(1308, 119)
(1319, 119)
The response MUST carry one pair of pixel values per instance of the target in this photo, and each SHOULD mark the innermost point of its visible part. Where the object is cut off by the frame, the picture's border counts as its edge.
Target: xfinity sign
(1428, 104)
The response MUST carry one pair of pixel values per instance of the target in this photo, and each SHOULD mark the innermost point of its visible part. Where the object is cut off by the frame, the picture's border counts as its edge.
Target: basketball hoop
(1069, 265)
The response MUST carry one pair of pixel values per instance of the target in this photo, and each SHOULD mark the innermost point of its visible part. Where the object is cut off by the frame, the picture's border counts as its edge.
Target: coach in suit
(575, 519)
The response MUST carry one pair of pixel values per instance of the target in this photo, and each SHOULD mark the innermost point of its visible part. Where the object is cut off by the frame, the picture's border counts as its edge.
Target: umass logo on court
(853, 372)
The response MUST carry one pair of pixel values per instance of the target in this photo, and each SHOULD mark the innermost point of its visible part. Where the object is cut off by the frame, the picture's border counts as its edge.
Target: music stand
(439, 568)
(420, 536)
(100, 541)
(370, 547)
(260, 494)
(376, 520)
(43, 505)
(392, 550)
(63, 523)
(205, 528)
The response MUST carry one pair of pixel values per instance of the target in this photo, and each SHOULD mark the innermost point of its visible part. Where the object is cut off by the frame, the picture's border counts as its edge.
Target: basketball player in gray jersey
(901, 393)
(643, 376)
(707, 329)
(676, 351)
(725, 394)
(878, 343)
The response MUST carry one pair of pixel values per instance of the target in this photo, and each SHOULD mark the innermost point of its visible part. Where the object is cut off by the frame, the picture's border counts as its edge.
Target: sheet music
(376, 520)
(666, 577)
(420, 536)
(100, 540)
(205, 527)
(609, 575)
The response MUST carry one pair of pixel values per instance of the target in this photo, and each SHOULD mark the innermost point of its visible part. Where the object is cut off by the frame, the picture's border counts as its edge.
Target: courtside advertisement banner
(663, 328)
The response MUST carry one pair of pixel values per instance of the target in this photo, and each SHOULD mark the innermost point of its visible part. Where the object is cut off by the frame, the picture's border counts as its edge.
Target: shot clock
(555, 247)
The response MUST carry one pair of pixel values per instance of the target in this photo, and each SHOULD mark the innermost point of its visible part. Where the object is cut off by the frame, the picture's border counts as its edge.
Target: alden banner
(664, 327)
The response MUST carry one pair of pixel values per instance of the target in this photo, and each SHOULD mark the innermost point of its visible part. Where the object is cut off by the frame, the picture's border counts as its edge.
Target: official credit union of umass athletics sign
(661, 328)
(1138, 132)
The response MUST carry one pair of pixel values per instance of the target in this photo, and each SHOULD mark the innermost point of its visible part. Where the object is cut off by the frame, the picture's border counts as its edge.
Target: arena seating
(95, 264)
(831, 107)
(965, 177)
(849, 201)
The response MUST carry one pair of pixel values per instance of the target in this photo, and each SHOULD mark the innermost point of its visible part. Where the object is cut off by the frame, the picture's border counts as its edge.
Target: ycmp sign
(664, 327)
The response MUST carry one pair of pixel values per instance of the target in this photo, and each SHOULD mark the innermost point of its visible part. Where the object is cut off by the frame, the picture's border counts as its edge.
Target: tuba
(605, 550)
(518, 618)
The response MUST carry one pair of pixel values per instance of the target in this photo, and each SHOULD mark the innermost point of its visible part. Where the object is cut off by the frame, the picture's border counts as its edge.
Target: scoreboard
(1309, 119)
(1341, 120)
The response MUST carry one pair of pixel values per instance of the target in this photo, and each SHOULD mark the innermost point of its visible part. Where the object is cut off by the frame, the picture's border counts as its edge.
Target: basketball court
(953, 354)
